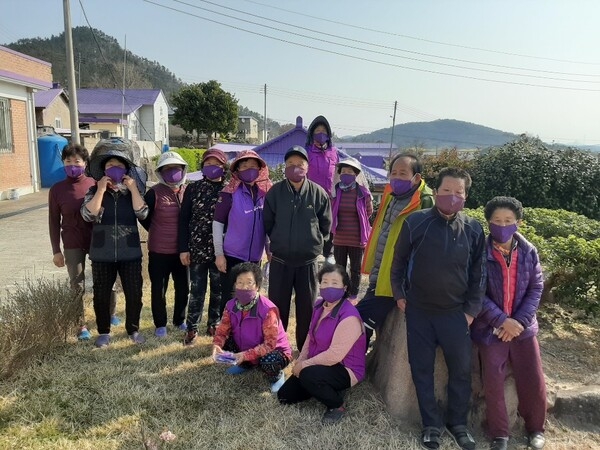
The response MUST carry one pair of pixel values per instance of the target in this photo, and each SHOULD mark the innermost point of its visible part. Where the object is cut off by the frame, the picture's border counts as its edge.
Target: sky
(521, 66)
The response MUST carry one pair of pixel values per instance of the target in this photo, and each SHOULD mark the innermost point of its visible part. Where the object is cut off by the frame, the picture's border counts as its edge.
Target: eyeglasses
(245, 285)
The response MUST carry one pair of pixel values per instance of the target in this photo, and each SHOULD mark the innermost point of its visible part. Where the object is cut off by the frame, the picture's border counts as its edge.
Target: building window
(6, 142)
(57, 122)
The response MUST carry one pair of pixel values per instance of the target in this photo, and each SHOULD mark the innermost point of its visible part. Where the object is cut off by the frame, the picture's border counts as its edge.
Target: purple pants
(524, 358)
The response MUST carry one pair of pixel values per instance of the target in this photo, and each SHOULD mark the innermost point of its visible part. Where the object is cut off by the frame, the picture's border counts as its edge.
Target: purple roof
(110, 101)
(44, 98)
(366, 148)
(273, 151)
(375, 161)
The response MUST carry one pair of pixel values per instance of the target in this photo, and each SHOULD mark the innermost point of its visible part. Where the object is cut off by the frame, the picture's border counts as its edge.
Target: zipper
(253, 224)
(115, 228)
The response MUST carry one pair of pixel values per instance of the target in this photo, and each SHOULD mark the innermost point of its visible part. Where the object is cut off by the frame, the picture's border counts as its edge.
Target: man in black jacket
(438, 280)
(297, 218)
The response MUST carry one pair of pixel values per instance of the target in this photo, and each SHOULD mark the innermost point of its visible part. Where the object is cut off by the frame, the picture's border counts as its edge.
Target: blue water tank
(165, 148)
(51, 166)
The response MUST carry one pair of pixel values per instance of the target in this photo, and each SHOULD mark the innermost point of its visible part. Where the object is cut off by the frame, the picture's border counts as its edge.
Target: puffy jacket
(528, 291)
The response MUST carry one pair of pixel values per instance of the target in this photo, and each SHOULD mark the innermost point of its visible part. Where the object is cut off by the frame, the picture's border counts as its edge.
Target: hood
(319, 120)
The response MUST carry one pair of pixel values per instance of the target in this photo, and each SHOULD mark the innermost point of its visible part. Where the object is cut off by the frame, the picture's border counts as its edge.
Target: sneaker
(181, 326)
(115, 321)
(189, 337)
(431, 438)
(276, 385)
(333, 416)
(236, 370)
(461, 436)
(536, 440)
(102, 341)
(160, 332)
(330, 260)
(137, 338)
(84, 334)
(499, 443)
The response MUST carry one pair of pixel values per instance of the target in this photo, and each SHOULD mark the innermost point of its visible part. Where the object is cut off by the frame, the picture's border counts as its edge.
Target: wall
(58, 108)
(15, 170)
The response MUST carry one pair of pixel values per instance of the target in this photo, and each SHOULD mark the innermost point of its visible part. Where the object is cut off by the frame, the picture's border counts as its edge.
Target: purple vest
(320, 338)
(162, 235)
(361, 209)
(245, 236)
(247, 331)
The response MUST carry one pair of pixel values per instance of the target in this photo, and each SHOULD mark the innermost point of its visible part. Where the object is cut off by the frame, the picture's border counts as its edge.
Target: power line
(359, 58)
(405, 36)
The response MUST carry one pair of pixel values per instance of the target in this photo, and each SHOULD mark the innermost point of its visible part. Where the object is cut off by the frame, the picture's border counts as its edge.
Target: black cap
(296, 150)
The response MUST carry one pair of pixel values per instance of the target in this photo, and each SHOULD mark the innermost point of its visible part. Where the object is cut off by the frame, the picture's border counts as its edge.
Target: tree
(205, 108)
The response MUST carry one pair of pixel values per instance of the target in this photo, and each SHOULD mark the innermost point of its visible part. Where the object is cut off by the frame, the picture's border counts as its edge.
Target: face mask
(502, 234)
(173, 175)
(400, 187)
(248, 175)
(320, 138)
(245, 296)
(116, 173)
(347, 179)
(295, 174)
(212, 172)
(449, 204)
(74, 171)
(332, 294)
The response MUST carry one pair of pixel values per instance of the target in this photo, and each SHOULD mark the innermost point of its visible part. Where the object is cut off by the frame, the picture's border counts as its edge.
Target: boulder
(578, 407)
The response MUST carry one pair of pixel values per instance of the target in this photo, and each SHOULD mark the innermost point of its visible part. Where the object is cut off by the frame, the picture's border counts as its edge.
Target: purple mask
(400, 187)
(173, 175)
(245, 296)
(502, 234)
(295, 174)
(449, 204)
(332, 294)
(320, 138)
(74, 171)
(116, 173)
(248, 175)
(212, 172)
(347, 179)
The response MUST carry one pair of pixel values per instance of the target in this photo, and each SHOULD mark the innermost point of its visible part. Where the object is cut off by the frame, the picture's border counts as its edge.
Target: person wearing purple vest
(238, 230)
(332, 359)
(506, 329)
(252, 330)
(164, 204)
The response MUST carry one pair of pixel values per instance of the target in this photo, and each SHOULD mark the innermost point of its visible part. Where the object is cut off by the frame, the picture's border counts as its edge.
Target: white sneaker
(330, 260)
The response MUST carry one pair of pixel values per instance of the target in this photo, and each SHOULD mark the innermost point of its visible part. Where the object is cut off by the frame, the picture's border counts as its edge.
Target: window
(6, 142)
(57, 122)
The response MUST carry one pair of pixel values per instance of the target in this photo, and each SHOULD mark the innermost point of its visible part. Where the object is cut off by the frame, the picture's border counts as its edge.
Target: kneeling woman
(333, 356)
(252, 329)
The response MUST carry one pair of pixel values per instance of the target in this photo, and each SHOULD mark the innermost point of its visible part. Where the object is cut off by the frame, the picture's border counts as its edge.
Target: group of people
(422, 253)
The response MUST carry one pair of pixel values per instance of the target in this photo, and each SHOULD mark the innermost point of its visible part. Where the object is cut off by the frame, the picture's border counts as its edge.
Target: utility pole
(125, 135)
(79, 70)
(265, 117)
(74, 114)
(392, 140)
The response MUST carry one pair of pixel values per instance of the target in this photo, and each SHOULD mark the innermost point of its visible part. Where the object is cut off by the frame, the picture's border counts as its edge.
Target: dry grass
(125, 396)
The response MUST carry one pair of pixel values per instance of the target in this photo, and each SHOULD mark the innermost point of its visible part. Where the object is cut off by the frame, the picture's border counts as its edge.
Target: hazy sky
(541, 57)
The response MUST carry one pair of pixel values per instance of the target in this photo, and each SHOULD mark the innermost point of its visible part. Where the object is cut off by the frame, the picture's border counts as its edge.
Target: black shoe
(211, 330)
(536, 440)
(461, 436)
(333, 416)
(499, 443)
(431, 438)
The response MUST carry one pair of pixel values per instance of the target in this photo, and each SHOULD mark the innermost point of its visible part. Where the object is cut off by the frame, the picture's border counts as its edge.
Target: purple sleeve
(223, 207)
(531, 301)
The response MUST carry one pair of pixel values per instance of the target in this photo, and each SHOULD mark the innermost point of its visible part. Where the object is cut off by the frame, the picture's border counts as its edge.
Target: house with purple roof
(52, 108)
(136, 114)
(368, 149)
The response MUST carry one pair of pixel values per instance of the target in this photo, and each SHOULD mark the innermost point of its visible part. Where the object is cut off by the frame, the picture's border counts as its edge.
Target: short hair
(330, 268)
(454, 172)
(415, 162)
(120, 158)
(503, 202)
(75, 150)
(246, 267)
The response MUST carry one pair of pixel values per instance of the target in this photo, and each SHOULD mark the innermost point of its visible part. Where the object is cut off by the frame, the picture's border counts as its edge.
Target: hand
(503, 335)
(239, 358)
(221, 263)
(103, 184)
(511, 328)
(185, 258)
(269, 254)
(58, 259)
(401, 304)
(216, 350)
(297, 369)
(469, 319)
(129, 183)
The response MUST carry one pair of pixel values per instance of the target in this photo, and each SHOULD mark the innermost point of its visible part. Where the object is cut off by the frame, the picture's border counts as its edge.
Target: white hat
(170, 158)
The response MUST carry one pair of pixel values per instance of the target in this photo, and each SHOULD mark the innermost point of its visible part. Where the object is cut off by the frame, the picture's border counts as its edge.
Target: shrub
(35, 317)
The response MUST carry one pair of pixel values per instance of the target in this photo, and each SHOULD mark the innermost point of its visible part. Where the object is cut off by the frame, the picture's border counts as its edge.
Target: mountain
(444, 133)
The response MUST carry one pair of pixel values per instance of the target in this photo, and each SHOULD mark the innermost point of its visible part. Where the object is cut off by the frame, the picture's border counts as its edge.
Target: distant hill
(444, 133)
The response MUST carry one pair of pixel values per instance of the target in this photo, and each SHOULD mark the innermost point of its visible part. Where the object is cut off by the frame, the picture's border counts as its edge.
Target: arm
(223, 331)
(150, 199)
(270, 332)
(324, 216)
(531, 301)
(477, 275)
(398, 270)
(91, 209)
(218, 234)
(54, 220)
(137, 201)
(183, 228)
(369, 204)
(269, 212)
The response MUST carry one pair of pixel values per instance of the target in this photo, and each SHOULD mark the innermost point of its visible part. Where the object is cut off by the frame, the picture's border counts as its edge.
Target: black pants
(227, 282)
(104, 275)
(342, 253)
(327, 384)
(270, 365)
(199, 275)
(374, 310)
(425, 331)
(160, 267)
(303, 280)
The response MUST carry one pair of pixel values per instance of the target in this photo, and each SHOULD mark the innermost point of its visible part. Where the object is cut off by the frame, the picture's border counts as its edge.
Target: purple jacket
(321, 336)
(528, 292)
(247, 331)
(321, 166)
(245, 236)
(361, 208)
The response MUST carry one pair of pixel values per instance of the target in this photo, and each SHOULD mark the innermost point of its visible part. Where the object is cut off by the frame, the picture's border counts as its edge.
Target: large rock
(389, 371)
(578, 407)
